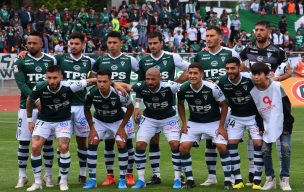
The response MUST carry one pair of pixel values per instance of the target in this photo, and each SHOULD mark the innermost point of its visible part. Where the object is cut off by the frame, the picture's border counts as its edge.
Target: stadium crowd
(182, 25)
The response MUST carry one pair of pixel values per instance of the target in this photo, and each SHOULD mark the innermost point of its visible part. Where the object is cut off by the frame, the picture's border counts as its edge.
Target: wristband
(29, 119)
(137, 104)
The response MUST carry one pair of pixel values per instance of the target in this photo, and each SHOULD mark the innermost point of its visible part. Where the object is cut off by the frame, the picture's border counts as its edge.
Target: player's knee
(36, 149)
(155, 139)
(174, 145)
(140, 145)
(63, 148)
(183, 149)
(222, 148)
(120, 144)
(81, 142)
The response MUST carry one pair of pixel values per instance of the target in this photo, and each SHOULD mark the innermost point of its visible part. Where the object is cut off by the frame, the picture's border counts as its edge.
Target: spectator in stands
(299, 69)
(243, 37)
(279, 7)
(301, 29)
(239, 46)
(283, 24)
(135, 35)
(287, 37)
(2, 40)
(192, 34)
(143, 23)
(115, 23)
(59, 48)
(30, 14)
(224, 16)
(225, 33)
(255, 7)
(4, 16)
(41, 18)
(299, 8)
(178, 39)
(277, 38)
(209, 14)
(291, 7)
(235, 25)
(299, 40)
(190, 8)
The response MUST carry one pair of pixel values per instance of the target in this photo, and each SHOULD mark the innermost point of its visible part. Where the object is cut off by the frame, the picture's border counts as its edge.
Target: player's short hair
(233, 60)
(105, 72)
(77, 35)
(37, 34)
(260, 67)
(53, 68)
(196, 65)
(263, 23)
(155, 34)
(114, 34)
(217, 29)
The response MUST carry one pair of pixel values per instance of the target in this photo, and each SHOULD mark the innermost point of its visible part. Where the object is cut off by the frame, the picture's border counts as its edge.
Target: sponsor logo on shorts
(83, 121)
(64, 124)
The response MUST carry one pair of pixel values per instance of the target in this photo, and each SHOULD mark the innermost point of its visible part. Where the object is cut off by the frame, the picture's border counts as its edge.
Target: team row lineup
(56, 85)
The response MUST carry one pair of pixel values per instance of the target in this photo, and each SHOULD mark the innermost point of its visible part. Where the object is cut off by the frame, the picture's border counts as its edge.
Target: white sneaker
(48, 181)
(34, 187)
(210, 181)
(270, 183)
(63, 185)
(284, 184)
(22, 181)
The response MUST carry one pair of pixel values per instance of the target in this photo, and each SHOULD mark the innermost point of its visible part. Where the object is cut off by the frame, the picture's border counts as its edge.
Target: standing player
(159, 115)
(110, 121)
(236, 87)
(263, 50)
(166, 62)
(121, 66)
(54, 118)
(206, 120)
(28, 72)
(275, 109)
(213, 62)
(76, 66)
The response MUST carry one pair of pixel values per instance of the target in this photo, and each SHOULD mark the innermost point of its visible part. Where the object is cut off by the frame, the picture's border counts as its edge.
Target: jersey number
(19, 122)
(232, 123)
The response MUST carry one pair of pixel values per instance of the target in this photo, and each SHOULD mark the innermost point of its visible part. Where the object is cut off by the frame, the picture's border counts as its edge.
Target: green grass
(9, 170)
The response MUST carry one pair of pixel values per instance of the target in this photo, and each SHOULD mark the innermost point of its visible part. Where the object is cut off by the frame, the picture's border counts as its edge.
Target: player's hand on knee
(222, 132)
(184, 129)
(137, 114)
(31, 126)
(122, 133)
(93, 136)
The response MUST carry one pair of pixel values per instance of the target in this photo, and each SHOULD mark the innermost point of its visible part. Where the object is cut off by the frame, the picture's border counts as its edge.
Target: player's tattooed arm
(224, 110)
(285, 76)
(182, 115)
(29, 110)
(183, 77)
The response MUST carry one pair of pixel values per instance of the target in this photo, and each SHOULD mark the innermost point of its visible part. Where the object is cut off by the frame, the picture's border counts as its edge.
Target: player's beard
(54, 87)
(233, 76)
(34, 52)
(76, 52)
(262, 40)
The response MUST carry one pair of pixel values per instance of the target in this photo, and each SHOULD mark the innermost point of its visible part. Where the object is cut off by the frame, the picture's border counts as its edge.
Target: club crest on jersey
(223, 58)
(155, 99)
(214, 63)
(260, 58)
(157, 67)
(56, 100)
(114, 67)
(105, 107)
(64, 95)
(165, 62)
(38, 69)
(46, 65)
(245, 87)
(113, 103)
(205, 97)
(163, 94)
(269, 54)
(198, 101)
(76, 67)
(122, 63)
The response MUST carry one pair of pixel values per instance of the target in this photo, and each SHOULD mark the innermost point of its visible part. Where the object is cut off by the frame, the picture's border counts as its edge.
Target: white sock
(141, 175)
(177, 175)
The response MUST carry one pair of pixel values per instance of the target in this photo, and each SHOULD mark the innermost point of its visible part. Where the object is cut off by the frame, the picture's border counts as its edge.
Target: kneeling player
(236, 87)
(206, 120)
(54, 118)
(110, 121)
